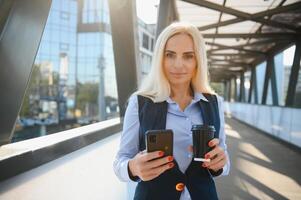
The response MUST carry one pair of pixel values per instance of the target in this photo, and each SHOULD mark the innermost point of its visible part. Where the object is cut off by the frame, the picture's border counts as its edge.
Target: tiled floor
(261, 167)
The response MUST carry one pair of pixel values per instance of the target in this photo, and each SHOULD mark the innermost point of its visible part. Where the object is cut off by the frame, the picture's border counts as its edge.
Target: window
(64, 47)
(64, 15)
(145, 41)
(152, 44)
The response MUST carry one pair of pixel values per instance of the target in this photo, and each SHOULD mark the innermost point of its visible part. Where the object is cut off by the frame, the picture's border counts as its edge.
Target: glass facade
(146, 33)
(73, 79)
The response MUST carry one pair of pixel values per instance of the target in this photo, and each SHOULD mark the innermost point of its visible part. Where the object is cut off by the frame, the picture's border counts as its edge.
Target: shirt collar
(197, 97)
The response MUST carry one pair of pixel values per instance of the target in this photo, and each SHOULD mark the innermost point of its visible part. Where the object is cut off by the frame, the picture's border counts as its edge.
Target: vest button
(180, 187)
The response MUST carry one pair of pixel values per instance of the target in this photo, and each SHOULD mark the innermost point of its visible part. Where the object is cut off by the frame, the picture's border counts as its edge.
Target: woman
(173, 96)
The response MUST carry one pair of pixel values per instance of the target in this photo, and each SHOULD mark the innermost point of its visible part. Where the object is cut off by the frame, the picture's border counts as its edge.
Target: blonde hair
(156, 85)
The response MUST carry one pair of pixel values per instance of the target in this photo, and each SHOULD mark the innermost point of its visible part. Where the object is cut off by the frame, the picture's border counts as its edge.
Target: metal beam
(253, 87)
(231, 63)
(166, 15)
(235, 89)
(230, 90)
(257, 43)
(219, 20)
(226, 90)
(258, 17)
(291, 92)
(252, 35)
(265, 85)
(270, 74)
(222, 47)
(279, 47)
(262, 42)
(124, 46)
(227, 65)
(274, 82)
(232, 55)
(270, 12)
(220, 24)
(19, 43)
(242, 96)
(259, 29)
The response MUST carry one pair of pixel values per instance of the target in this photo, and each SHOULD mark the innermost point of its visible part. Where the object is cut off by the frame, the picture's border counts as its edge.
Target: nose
(178, 62)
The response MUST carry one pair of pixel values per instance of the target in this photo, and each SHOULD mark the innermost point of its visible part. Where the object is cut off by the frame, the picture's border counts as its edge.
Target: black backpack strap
(152, 116)
(141, 101)
(210, 112)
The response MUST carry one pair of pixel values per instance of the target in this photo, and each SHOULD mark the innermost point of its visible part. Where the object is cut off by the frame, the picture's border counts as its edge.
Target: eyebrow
(187, 52)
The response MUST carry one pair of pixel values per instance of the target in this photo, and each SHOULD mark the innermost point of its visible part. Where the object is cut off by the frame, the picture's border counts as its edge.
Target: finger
(163, 168)
(215, 160)
(158, 162)
(213, 142)
(218, 165)
(215, 151)
(152, 155)
(153, 173)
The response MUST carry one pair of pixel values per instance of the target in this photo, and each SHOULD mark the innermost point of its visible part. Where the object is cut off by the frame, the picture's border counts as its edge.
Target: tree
(33, 83)
(87, 94)
(217, 87)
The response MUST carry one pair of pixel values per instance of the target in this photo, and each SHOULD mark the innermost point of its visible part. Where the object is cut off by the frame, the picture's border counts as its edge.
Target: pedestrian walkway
(261, 167)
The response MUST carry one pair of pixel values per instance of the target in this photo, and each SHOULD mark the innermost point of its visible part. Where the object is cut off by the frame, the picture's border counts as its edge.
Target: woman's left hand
(217, 156)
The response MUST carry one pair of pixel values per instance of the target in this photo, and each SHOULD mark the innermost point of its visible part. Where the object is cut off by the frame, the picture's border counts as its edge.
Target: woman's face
(179, 61)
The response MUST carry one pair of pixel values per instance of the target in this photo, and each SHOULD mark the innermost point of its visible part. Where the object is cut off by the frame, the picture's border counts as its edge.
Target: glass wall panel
(73, 81)
(247, 84)
(260, 72)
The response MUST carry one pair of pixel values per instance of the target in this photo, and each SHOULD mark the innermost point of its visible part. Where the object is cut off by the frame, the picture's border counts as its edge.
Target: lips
(177, 74)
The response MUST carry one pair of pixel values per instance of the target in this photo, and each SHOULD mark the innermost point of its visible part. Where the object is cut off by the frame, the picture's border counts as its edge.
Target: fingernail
(169, 158)
(210, 143)
(161, 153)
(207, 156)
(171, 165)
(204, 165)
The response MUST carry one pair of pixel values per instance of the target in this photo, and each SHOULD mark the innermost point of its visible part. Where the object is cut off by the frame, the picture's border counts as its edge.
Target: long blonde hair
(156, 86)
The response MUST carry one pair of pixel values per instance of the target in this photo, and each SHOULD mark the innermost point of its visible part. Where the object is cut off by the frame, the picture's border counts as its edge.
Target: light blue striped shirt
(180, 122)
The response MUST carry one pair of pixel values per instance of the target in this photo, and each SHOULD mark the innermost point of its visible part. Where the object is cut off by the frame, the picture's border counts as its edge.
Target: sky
(147, 10)
(288, 56)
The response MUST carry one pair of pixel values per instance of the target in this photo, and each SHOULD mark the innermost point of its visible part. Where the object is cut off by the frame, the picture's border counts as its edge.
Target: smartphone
(160, 140)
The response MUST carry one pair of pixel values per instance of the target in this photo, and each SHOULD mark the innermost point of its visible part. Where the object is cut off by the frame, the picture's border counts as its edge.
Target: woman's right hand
(148, 166)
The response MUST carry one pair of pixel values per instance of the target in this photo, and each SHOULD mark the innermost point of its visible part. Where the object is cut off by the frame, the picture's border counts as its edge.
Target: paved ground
(261, 167)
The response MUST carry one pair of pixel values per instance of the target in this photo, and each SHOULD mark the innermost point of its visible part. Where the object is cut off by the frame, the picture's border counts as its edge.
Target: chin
(179, 82)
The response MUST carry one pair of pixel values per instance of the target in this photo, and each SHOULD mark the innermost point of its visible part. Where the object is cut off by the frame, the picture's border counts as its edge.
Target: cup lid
(202, 127)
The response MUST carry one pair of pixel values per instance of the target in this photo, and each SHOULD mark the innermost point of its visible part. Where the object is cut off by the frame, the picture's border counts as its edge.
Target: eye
(188, 56)
(169, 55)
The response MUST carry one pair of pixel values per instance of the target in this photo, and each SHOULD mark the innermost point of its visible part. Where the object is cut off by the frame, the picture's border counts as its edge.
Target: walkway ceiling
(241, 34)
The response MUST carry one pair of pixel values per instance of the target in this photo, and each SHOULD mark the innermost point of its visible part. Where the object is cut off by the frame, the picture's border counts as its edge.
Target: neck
(181, 91)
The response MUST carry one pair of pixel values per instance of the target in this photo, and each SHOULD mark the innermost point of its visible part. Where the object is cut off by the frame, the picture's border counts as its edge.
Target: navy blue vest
(197, 179)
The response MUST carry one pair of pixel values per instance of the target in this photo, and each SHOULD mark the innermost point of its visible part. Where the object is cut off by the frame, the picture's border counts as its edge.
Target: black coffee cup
(201, 135)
